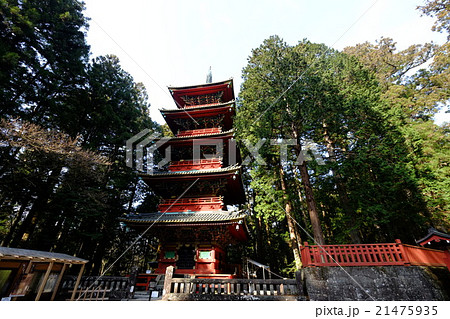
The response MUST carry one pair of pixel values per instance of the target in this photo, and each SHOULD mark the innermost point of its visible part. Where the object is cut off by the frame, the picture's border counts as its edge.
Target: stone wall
(379, 283)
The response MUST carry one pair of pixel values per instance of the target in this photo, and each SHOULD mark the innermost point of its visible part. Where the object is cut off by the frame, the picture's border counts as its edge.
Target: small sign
(23, 287)
(155, 294)
(169, 255)
(205, 254)
(6, 299)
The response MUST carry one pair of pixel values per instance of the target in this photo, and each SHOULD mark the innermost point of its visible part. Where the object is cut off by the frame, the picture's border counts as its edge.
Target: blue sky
(163, 43)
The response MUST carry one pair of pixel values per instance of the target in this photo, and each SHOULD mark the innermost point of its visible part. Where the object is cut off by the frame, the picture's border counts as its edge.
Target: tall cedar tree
(365, 187)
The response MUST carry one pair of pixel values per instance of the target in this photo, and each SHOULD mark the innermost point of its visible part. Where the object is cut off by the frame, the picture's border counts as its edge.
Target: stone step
(141, 296)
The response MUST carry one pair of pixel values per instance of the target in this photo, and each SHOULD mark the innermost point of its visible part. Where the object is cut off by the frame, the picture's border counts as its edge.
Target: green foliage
(439, 9)
(409, 104)
(42, 56)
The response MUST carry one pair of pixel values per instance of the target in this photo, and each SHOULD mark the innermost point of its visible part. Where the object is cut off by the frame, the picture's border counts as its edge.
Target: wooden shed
(32, 274)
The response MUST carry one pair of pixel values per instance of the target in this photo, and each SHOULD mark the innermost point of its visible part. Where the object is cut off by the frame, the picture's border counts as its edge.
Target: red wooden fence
(372, 255)
(426, 257)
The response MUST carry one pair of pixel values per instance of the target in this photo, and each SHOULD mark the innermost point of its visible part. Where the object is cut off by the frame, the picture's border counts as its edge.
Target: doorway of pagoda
(186, 255)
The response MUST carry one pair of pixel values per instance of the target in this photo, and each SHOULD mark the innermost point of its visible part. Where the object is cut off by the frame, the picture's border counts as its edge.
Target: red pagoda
(201, 187)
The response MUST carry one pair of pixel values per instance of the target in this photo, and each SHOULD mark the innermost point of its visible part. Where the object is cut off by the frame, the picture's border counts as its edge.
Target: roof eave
(172, 88)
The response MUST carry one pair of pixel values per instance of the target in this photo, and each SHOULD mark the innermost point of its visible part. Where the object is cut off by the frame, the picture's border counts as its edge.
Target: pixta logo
(141, 151)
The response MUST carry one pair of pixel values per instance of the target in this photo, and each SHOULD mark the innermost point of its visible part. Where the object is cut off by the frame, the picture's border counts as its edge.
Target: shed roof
(37, 255)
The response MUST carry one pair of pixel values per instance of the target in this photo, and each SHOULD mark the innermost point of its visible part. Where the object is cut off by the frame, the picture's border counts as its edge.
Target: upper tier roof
(192, 117)
(226, 87)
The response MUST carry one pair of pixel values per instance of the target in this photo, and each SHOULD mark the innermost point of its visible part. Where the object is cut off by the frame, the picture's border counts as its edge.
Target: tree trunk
(14, 225)
(300, 196)
(293, 233)
(309, 195)
(133, 194)
(259, 240)
(97, 259)
(341, 188)
(312, 207)
(41, 204)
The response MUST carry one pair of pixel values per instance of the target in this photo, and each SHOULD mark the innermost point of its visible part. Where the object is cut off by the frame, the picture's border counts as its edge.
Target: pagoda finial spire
(209, 76)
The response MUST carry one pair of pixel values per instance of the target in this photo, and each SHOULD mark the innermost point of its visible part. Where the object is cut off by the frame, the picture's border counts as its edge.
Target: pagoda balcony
(203, 131)
(191, 204)
(191, 165)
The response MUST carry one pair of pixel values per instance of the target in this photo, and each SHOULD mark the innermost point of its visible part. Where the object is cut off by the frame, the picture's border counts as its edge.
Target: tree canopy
(65, 121)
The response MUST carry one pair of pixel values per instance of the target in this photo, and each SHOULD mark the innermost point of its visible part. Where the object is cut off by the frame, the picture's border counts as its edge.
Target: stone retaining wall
(379, 283)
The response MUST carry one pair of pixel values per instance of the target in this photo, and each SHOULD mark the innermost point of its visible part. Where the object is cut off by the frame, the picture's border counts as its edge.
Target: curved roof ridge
(199, 85)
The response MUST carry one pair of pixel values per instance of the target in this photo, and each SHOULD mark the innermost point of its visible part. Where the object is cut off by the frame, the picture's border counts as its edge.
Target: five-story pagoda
(201, 188)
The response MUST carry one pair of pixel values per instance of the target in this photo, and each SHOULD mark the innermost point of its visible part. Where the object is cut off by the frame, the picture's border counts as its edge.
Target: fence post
(167, 282)
(58, 282)
(305, 254)
(403, 252)
(132, 283)
(75, 288)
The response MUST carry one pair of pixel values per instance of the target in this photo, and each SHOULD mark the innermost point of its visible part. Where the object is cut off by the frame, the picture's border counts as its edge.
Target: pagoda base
(195, 260)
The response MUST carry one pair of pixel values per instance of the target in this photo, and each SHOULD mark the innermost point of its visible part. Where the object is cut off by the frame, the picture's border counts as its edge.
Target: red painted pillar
(305, 254)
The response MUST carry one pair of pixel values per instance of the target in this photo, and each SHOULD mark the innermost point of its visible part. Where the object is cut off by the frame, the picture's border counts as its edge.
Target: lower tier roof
(185, 217)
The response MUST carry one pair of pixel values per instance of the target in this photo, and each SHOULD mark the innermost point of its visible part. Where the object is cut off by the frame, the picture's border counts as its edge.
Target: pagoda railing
(233, 287)
(230, 289)
(189, 165)
(372, 255)
(191, 204)
(202, 131)
(203, 104)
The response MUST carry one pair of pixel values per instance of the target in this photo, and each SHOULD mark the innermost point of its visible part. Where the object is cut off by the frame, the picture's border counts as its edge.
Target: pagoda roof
(194, 173)
(190, 137)
(201, 89)
(187, 217)
(193, 139)
(190, 114)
